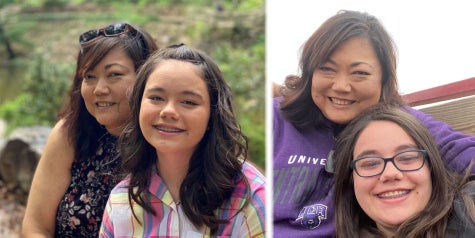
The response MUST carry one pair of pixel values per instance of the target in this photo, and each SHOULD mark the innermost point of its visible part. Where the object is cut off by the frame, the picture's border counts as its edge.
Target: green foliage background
(44, 35)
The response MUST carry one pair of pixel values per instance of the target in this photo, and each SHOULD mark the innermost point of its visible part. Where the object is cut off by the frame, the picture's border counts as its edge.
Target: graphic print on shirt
(302, 159)
(311, 216)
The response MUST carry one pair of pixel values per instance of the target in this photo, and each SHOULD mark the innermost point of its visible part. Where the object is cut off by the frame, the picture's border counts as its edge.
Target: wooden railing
(453, 103)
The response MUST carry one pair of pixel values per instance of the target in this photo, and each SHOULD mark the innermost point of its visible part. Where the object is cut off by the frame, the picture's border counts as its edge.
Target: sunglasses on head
(111, 30)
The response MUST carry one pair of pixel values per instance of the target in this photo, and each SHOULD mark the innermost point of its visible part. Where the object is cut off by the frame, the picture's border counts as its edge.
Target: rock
(20, 155)
(11, 213)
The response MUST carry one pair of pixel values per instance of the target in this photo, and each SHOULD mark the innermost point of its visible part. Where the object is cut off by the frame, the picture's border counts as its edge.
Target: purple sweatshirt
(303, 191)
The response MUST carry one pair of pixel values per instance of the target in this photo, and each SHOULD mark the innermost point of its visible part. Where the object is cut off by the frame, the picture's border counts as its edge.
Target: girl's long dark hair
(83, 129)
(215, 166)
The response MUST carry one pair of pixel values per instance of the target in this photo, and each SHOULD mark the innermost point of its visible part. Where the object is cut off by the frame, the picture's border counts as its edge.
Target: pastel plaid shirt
(118, 220)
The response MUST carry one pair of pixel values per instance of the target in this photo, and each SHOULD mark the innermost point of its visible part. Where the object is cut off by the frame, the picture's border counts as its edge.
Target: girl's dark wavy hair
(297, 104)
(215, 166)
(352, 221)
(83, 129)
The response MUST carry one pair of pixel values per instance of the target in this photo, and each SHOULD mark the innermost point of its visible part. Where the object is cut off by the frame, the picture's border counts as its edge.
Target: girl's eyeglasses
(112, 30)
(405, 161)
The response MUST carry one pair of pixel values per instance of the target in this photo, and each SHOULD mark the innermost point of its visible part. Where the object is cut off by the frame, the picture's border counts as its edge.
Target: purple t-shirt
(303, 191)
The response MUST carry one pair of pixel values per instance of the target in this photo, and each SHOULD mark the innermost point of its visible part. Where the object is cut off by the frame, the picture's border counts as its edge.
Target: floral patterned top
(80, 210)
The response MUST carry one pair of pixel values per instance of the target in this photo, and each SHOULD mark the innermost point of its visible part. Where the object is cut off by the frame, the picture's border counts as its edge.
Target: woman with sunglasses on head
(185, 156)
(390, 181)
(347, 65)
(80, 163)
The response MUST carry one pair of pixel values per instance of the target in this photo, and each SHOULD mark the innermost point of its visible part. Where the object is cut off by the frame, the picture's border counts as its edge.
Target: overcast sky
(435, 39)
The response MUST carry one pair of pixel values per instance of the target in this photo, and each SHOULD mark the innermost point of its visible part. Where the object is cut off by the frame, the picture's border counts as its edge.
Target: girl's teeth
(169, 129)
(393, 194)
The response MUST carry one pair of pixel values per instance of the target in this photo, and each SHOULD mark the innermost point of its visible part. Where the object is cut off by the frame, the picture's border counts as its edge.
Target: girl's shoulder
(254, 175)
(461, 223)
(122, 186)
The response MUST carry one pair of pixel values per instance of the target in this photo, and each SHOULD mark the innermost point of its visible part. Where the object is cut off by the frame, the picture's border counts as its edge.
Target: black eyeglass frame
(386, 160)
(108, 31)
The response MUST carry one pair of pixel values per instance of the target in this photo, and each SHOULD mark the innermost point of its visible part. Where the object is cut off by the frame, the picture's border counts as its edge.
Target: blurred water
(12, 77)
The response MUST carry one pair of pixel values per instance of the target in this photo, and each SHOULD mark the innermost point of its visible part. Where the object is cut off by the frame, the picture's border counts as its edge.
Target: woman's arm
(51, 179)
(456, 148)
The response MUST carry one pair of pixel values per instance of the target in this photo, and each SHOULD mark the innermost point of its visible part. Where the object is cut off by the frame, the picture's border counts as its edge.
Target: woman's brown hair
(297, 104)
(83, 129)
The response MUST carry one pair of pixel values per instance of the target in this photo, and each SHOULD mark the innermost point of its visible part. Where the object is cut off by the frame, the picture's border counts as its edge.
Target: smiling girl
(185, 155)
(390, 181)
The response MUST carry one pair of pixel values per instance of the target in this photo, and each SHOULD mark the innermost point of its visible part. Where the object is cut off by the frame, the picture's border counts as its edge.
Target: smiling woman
(354, 66)
(104, 90)
(80, 163)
